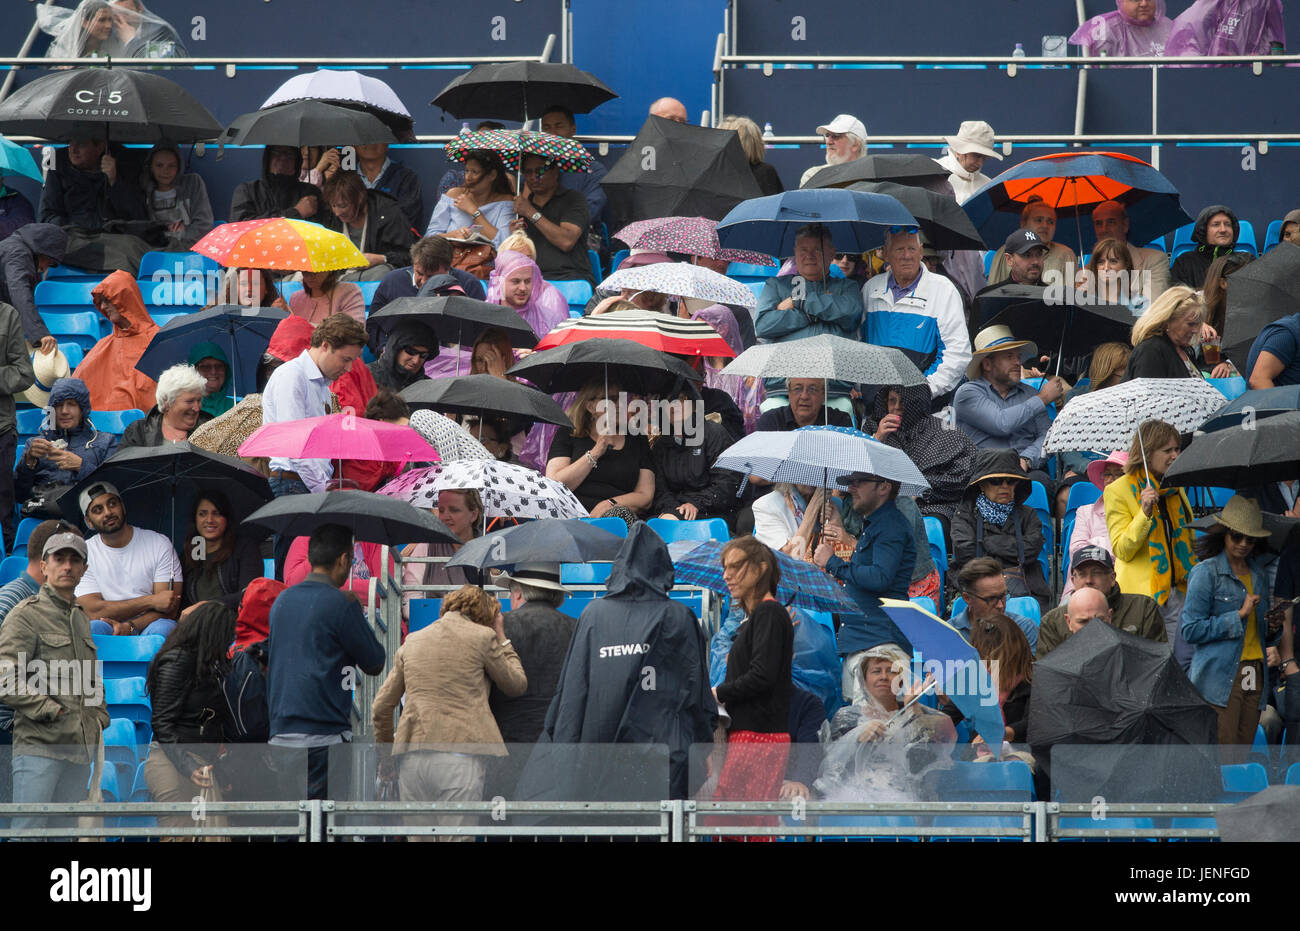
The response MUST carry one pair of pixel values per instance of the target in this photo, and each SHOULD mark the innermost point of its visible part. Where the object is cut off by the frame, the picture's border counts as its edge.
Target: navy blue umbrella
(1255, 405)
(242, 333)
(857, 220)
(1074, 183)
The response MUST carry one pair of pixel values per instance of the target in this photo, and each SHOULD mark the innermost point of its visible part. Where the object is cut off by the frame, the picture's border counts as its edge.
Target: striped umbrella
(689, 235)
(513, 144)
(280, 244)
(658, 331)
(819, 456)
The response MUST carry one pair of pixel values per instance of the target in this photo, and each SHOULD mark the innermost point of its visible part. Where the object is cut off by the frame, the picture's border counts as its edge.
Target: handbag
(44, 501)
(476, 258)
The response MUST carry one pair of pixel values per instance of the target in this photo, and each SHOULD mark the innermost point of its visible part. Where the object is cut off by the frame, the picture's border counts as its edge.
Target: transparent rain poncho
(116, 29)
(1227, 27)
(1117, 35)
(891, 768)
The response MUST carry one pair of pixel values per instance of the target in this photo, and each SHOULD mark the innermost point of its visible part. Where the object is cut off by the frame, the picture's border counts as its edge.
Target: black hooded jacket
(1191, 267)
(637, 672)
(685, 474)
(275, 195)
(85, 199)
(387, 231)
(19, 274)
(385, 370)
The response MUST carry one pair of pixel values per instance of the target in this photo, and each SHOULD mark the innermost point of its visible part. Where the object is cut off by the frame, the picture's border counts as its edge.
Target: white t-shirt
(123, 573)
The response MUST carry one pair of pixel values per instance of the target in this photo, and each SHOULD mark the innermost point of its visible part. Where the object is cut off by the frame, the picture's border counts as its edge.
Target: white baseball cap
(844, 123)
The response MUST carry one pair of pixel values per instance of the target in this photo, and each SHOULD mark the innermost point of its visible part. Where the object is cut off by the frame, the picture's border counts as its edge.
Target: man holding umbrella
(556, 219)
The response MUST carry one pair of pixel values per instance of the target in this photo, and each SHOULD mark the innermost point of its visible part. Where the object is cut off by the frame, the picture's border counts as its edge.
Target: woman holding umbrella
(1149, 526)
(324, 294)
(598, 461)
(484, 205)
(1224, 620)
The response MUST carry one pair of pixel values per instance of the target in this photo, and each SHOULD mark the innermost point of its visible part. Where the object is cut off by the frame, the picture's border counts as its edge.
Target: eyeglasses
(418, 353)
(808, 389)
(1000, 598)
(1001, 481)
(536, 172)
(904, 229)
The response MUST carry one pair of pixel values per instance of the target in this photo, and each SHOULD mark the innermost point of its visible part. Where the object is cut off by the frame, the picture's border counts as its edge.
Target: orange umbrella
(280, 244)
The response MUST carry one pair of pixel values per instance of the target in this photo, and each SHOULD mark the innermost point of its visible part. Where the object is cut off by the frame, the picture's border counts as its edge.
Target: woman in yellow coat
(1149, 528)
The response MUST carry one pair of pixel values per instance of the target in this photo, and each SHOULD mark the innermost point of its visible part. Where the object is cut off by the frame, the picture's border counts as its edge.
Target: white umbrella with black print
(507, 490)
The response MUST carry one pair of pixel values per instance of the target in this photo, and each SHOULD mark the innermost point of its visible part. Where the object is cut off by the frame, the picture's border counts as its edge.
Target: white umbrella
(1107, 419)
(829, 357)
(507, 490)
(819, 456)
(345, 87)
(681, 280)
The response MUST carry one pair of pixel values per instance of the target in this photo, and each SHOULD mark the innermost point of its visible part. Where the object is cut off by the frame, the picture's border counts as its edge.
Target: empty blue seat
(594, 258)
(368, 289)
(615, 525)
(938, 547)
(581, 573)
(617, 258)
(127, 698)
(673, 530)
(1246, 241)
(121, 748)
(1182, 241)
(176, 264)
(24, 533)
(1081, 495)
(423, 612)
(83, 328)
(115, 421)
(73, 352)
(11, 567)
(1293, 774)
(74, 274)
(1026, 606)
(139, 787)
(1242, 780)
(124, 657)
(64, 297)
(577, 293)
(29, 421)
(110, 787)
(921, 601)
(1272, 235)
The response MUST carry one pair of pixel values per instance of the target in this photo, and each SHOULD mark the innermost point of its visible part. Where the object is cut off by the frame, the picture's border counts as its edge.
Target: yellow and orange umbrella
(281, 245)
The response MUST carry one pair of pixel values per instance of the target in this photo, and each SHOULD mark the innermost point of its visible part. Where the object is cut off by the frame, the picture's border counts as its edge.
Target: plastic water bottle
(768, 134)
(1019, 52)
(464, 128)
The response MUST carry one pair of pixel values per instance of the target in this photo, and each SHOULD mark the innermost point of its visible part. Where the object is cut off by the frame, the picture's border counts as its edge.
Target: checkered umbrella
(802, 584)
(819, 456)
(829, 357)
(513, 144)
(689, 235)
(1107, 419)
(507, 490)
(681, 280)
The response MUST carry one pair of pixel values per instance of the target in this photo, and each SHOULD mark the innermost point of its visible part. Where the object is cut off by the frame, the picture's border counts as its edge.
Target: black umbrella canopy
(485, 394)
(992, 301)
(124, 105)
(306, 122)
(539, 541)
(1265, 290)
(911, 170)
(675, 169)
(160, 485)
(943, 224)
(1272, 815)
(370, 517)
(521, 90)
(1257, 452)
(1144, 726)
(242, 333)
(632, 367)
(453, 318)
(1067, 333)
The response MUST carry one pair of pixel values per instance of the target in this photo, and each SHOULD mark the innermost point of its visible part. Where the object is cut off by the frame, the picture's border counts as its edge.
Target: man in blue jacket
(319, 640)
(69, 447)
(881, 567)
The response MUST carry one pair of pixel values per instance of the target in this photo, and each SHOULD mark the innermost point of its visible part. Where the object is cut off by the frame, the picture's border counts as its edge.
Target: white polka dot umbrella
(281, 245)
(507, 490)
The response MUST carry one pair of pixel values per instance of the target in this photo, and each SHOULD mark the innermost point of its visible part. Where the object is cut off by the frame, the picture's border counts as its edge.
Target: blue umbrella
(819, 456)
(802, 584)
(962, 675)
(1262, 402)
(857, 220)
(1074, 183)
(242, 333)
(15, 160)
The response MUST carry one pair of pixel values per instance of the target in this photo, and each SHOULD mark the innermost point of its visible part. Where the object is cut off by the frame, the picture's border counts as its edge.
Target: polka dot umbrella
(281, 245)
(513, 144)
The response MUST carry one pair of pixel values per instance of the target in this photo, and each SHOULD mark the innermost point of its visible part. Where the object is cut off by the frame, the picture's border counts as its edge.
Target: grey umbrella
(549, 541)
(1271, 815)
(828, 357)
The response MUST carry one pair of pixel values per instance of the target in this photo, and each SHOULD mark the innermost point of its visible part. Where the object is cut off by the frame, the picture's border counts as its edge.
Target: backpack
(244, 688)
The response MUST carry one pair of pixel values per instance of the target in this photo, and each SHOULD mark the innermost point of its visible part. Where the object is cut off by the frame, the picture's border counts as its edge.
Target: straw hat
(49, 367)
(993, 339)
(1242, 515)
(973, 136)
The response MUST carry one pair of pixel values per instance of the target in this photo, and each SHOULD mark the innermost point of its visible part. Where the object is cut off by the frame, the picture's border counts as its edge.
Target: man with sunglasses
(555, 219)
(846, 139)
(919, 312)
(1093, 569)
(984, 589)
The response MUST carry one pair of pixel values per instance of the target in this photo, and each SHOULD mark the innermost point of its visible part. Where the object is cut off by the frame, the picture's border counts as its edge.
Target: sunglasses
(1239, 537)
(418, 353)
(1000, 482)
(904, 229)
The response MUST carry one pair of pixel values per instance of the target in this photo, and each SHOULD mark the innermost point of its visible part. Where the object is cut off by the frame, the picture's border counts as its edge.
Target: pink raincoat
(1227, 27)
(1117, 35)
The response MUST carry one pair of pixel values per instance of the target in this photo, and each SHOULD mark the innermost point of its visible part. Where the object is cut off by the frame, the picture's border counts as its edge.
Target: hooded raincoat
(275, 195)
(1190, 268)
(109, 369)
(1227, 27)
(546, 305)
(187, 202)
(407, 333)
(220, 401)
(1117, 35)
(601, 697)
(19, 273)
(84, 440)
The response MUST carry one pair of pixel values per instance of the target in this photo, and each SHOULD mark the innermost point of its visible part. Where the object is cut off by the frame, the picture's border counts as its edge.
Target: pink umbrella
(689, 235)
(338, 436)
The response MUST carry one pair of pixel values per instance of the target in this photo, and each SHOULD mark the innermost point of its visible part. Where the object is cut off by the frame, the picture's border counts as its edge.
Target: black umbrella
(635, 368)
(306, 122)
(160, 486)
(539, 541)
(943, 223)
(911, 170)
(1255, 405)
(372, 518)
(1069, 331)
(674, 169)
(1268, 816)
(242, 333)
(126, 105)
(485, 394)
(1265, 290)
(521, 90)
(1251, 454)
(454, 319)
(1146, 729)
(992, 301)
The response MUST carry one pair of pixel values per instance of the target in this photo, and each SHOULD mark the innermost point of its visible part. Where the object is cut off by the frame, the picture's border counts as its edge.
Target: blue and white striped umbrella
(818, 456)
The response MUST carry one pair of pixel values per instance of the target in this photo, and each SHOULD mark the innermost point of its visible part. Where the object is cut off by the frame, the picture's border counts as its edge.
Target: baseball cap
(1021, 241)
(64, 541)
(1092, 554)
(94, 491)
(844, 123)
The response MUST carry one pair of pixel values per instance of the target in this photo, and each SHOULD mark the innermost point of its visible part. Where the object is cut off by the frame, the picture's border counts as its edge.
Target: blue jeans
(280, 544)
(40, 779)
(161, 627)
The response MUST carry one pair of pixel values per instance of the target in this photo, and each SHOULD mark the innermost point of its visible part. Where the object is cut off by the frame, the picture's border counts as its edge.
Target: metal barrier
(305, 814)
(620, 820)
(800, 819)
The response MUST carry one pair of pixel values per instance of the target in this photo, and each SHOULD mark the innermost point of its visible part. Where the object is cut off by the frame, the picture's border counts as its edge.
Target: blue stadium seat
(120, 749)
(1246, 241)
(11, 567)
(580, 573)
(368, 289)
(1242, 780)
(164, 316)
(176, 264)
(73, 352)
(742, 271)
(268, 568)
(577, 293)
(29, 422)
(24, 533)
(139, 787)
(1038, 501)
(110, 787)
(125, 657)
(1182, 241)
(84, 328)
(1159, 244)
(983, 782)
(63, 297)
(938, 547)
(423, 612)
(755, 286)
(988, 261)
(289, 288)
(1293, 775)
(594, 258)
(1272, 235)
(115, 421)
(1026, 606)
(1221, 496)
(71, 273)
(1081, 495)
(1231, 387)
(921, 601)
(615, 525)
(617, 258)
(673, 530)
(1115, 824)
(127, 698)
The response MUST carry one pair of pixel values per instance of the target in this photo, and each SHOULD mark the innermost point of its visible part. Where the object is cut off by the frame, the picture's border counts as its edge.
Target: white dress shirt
(296, 390)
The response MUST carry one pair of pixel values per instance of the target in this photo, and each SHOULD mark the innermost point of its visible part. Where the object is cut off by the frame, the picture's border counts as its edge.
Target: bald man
(1086, 605)
(670, 108)
(1110, 221)
(1092, 569)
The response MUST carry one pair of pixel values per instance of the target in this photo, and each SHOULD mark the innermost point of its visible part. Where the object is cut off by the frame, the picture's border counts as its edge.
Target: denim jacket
(1216, 632)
